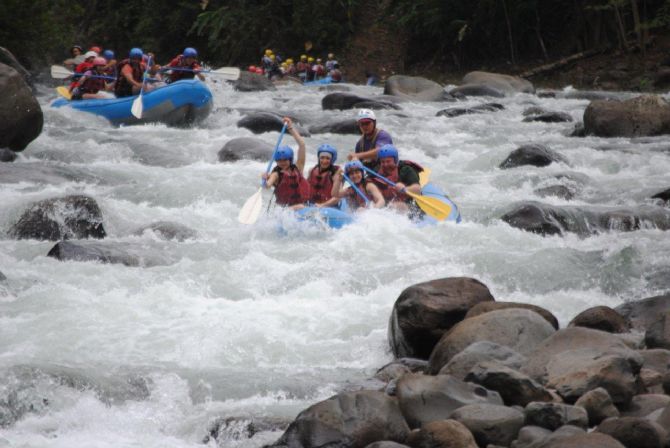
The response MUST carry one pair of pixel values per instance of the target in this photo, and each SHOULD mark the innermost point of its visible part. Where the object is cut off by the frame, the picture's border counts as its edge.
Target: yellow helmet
(289, 61)
(268, 52)
(310, 59)
(331, 55)
(272, 56)
(284, 64)
(304, 56)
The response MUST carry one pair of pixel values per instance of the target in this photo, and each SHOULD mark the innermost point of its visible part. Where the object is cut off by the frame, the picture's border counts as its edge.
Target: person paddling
(188, 59)
(291, 188)
(405, 175)
(371, 140)
(362, 193)
(320, 177)
(130, 74)
(92, 82)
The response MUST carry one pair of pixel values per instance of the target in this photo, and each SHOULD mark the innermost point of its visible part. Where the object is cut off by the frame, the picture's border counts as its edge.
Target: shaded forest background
(394, 35)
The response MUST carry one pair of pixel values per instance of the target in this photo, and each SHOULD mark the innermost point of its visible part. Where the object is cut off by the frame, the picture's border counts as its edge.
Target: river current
(248, 322)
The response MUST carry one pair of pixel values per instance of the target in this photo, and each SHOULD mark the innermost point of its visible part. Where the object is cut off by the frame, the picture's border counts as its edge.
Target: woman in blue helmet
(188, 59)
(362, 193)
(291, 188)
(320, 177)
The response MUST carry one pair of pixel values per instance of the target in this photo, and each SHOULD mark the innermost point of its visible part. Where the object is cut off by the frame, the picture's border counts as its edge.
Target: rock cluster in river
(503, 374)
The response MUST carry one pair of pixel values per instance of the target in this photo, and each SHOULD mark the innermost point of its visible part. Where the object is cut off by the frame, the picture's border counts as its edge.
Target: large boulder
(504, 83)
(634, 432)
(554, 415)
(601, 318)
(7, 58)
(260, 122)
(521, 330)
(342, 101)
(478, 352)
(350, 419)
(534, 155)
(70, 217)
(442, 434)
(590, 440)
(549, 117)
(245, 148)
(414, 88)
(466, 90)
(425, 398)
(642, 116)
(598, 405)
(425, 311)
(113, 253)
(348, 126)
(485, 307)
(658, 334)
(644, 404)
(21, 117)
(642, 314)
(514, 387)
(490, 424)
(252, 82)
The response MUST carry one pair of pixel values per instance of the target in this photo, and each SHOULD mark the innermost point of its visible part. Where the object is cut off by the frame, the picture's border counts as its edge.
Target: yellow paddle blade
(424, 176)
(64, 92)
(251, 209)
(432, 206)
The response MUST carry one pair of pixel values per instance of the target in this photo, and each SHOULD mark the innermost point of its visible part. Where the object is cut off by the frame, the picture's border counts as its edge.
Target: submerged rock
(481, 108)
(663, 195)
(252, 82)
(168, 230)
(534, 155)
(7, 155)
(245, 148)
(342, 101)
(549, 117)
(348, 126)
(113, 253)
(260, 122)
(21, 117)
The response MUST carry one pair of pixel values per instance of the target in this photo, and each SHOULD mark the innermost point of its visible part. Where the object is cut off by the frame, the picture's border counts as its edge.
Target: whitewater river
(246, 322)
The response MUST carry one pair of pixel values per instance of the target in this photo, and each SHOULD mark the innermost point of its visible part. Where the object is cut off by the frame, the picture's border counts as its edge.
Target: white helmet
(90, 54)
(365, 114)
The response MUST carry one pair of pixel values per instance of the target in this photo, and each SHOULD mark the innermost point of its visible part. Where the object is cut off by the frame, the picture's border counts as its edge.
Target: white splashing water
(251, 323)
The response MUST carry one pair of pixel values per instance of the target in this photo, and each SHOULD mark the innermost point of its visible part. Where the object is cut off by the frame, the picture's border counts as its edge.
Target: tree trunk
(638, 26)
(539, 34)
(621, 28)
(509, 32)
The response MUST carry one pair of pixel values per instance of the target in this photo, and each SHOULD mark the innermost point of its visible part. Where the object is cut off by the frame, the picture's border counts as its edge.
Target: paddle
(424, 176)
(431, 206)
(138, 107)
(228, 73)
(251, 209)
(358, 190)
(64, 92)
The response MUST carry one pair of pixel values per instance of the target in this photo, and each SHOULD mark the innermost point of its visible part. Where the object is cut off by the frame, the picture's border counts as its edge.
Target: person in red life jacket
(318, 69)
(335, 73)
(354, 196)
(188, 59)
(95, 49)
(82, 68)
(259, 71)
(92, 82)
(371, 140)
(130, 74)
(291, 188)
(302, 67)
(110, 66)
(405, 175)
(252, 69)
(320, 177)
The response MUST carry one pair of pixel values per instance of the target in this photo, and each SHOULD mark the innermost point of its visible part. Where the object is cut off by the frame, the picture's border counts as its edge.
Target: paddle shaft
(358, 190)
(388, 181)
(272, 159)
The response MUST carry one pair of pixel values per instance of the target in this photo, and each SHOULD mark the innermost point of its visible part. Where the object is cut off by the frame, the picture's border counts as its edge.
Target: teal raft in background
(178, 104)
(319, 82)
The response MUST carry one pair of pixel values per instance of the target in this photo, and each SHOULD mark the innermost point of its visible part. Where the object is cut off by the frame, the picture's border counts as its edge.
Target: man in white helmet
(371, 140)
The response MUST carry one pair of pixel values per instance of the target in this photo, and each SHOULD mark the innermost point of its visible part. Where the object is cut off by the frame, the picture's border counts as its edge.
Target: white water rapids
(246, 322)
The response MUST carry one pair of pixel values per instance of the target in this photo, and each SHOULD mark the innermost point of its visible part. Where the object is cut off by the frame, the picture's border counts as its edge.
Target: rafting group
(307, 69)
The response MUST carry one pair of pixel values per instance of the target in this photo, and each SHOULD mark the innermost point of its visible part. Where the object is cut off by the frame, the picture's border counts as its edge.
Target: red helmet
(99, 61)
(259, 70)
(96, 49)
(252, 68)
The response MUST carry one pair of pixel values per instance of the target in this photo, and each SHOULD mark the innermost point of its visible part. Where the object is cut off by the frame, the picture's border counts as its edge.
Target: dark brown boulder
(590, 440)
(482, 351)
(490, 424)
(634, 432)
(514, 387)
(245, 148)
(598, 405)
(646, 115)
(425, 311)
(554, 415)
(601, 318)
(7, 58)
(442, 434)
(21, 117)
(486, 307)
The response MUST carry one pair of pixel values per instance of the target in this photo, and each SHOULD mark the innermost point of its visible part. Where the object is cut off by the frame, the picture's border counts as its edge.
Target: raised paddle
(138, 106)
(228, 73)
(60, 72)
(251, 209)
(431, 206)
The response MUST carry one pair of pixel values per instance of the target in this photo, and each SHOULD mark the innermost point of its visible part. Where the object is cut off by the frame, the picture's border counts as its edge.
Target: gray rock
(534, 155)
(503, 83)
(229, 430)
(485, 307)
(591, 440)
(662, 195)
(634, 432)
(489, 423)
(351, 419)
(260, 122)
(442, 434)
(252, 82)
(642, 116)
(554, 415)
(7, 58)
(399, 367)
(645, 404)
(114, 253)
(342, 101)
(598, 405)
(481, 108)
(245, 148)
(70, 217)
(522, 330)
(530, 437)
(514, 387)
(466, 90)
(533, 110)
(559, 191)
(425, 311)
(642, 314)
(169, 230)
(549, 117)
(425, 398)
(413, 88)
(601, 318)
(386, 444)
(461, 364)
(21, 117)
(7, 155)
(658, 334)
(347, 127)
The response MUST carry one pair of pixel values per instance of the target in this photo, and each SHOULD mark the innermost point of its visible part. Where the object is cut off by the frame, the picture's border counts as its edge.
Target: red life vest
(321, 184)
(176, 75)
(292, 187)
(354, 199)
(79, 71)
(389, 192)
(92, 85)
(123, 87)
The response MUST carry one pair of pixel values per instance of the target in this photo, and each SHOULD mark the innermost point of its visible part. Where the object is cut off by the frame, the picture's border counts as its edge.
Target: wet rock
(348, 126)
(514, 387)
(351, 419)
(489, 423)
(481, 108)
(70, 217)
(414, 88)
(260, 122)
(252, 82)
(386, 444)
(169, 230)
(521, 330)
(534, 155)
(503, 83)
(530, 437)
(399, 367)
(656, 359)
(634, 432)
(598, 405)
(442, 434)
(425, 311)
(342, 101)
(578, 131)
(334, 88)
(642, 314)
(7, 155)
(559, 191)
(461, 364)
(425, 398)
(245, 148)
(21, 117)
(554, 415)
(466, 90)
(485, 307)
(663, 195)
(228, 430)
(642, 116)
(601, 318)
(658, 334)
(590, 440)
(644, 404)
(7, 58)
(549, 117)
(651, 381)
(114, 253)
(533, 110)
(375, 104)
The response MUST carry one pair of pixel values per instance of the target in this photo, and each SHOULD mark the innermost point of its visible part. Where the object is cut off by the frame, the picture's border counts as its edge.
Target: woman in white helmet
(371, 140)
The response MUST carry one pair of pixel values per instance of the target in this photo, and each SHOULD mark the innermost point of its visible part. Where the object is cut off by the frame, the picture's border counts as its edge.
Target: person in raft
(291, 188)
(92, 82)
(405, 175)
(130, 74)
(188, 59)
(320, 177)
(362, 192)
(371, 140)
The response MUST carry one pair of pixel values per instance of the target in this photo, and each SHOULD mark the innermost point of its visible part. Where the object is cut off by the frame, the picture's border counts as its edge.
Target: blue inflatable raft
(319, 82)
(180, 103)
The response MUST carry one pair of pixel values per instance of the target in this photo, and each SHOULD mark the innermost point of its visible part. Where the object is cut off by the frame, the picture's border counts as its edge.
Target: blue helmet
(108, 54)
(284, 153)
(136, 53)
(353, 165)
(329, 149)
(190, 52)
(388, 150)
